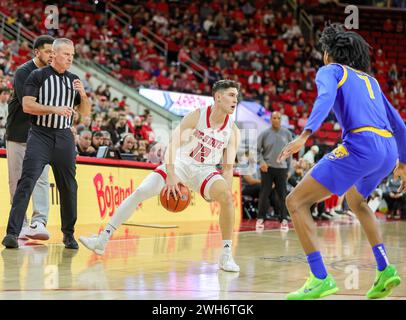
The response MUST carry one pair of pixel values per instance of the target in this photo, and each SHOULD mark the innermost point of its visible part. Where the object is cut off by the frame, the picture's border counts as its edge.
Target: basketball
(174, 205)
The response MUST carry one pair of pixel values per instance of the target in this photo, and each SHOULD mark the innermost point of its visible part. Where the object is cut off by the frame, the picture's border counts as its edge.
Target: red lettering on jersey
(212, 142)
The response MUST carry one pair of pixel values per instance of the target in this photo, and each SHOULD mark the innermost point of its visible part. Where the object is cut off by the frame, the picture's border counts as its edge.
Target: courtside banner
(104, 183)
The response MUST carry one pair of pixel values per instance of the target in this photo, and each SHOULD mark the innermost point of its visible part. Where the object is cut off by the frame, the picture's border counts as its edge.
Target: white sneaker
(334, 214)
(284, 225)
(95, 243)
(37, 231)
(23, 233)
(259, 224)
(227, 263)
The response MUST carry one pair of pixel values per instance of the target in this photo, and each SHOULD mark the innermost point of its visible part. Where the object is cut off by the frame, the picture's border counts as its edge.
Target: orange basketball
(174, 205)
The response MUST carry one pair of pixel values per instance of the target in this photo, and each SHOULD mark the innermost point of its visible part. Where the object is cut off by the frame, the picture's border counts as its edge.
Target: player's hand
(400, 173)
(64, 111)
(291, 148)
(172, 186)
(78, 86)
(264, 167)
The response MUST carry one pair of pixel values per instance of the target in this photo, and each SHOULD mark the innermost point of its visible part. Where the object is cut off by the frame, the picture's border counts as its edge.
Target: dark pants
(57, 148)
(394, 204)
(279, 177)
(251, 190)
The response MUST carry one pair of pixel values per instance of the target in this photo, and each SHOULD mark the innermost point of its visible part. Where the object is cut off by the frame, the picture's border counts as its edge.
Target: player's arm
(30, 93)
(326, 81)
(399, 132)
(181, 133)
(229, 155)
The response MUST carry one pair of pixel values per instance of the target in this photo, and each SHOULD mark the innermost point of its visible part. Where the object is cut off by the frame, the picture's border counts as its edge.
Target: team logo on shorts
(338, 153)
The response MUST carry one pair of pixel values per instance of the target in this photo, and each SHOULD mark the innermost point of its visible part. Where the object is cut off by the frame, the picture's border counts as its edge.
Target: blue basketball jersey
(357, 102)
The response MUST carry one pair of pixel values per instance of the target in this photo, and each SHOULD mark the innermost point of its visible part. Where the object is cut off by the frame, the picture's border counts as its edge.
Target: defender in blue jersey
(374, 141)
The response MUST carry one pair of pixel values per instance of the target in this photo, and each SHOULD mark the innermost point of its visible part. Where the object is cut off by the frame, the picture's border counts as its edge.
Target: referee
(18, 124)
(50, 95)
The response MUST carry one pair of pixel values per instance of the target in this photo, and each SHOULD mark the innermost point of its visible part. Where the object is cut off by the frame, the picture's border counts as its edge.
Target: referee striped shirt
(55, 89)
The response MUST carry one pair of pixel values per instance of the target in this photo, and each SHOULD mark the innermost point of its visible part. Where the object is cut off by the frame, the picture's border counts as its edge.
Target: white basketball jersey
(206, 145)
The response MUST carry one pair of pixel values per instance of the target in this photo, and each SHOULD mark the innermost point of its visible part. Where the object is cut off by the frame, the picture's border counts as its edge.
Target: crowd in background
(258, 43)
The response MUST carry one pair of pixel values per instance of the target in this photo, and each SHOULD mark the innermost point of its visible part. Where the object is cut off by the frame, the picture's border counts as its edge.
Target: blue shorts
(364, 160)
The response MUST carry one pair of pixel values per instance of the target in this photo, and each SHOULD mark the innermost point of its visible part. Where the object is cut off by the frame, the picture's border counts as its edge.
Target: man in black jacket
(18, 124)
(52, 95)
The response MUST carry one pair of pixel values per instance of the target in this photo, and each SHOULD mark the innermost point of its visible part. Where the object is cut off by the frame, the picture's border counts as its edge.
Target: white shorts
(197, 177)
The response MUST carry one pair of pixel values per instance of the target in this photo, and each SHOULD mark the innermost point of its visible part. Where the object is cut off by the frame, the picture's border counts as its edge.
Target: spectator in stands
(86, 122)
(400, 26)
(138, 128)
(84, 146)
(141, 152)
(388, 25)
(110, 125)
(251, 181)
(302, 120)
(102, 105)
(122, 126)
(87, 83)
(4, 97)
(127, 144)
(396, 200)
(146, 130)
(97, 123)
(296, 176)
(393, 72)
(310, 154)
(106, 141)
(254, 80)
(285, 119)
(97, 140)
(293, 31)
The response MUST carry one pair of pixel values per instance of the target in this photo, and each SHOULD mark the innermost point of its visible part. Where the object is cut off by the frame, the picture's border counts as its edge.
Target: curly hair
(346, 47)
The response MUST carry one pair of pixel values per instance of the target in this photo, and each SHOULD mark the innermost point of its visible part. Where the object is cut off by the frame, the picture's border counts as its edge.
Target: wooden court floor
(181, 263)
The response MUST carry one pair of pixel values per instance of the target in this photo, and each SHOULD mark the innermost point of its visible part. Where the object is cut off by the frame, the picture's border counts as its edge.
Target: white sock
(150, 187)
(108, 231)
(227, 245)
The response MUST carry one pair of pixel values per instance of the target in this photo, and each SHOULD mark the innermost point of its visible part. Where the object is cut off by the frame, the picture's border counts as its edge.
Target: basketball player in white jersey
(204, 138)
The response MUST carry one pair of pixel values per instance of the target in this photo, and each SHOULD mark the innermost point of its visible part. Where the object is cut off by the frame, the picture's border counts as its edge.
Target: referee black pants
(279, 177)
(57, 148)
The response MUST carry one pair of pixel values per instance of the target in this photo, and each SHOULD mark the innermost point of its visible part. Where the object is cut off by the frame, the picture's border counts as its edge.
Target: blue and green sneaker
(314, 288)
(385, 281)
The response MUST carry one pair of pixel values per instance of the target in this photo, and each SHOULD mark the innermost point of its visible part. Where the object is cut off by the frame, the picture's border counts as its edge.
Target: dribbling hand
(291, 148)
(172, 186)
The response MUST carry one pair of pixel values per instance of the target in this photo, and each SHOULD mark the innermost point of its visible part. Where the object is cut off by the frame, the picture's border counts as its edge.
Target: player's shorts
(197, 177)
(364, 160)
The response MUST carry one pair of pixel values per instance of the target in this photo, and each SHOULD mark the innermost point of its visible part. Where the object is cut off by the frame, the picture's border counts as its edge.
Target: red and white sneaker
(260, 224)
(284, 225)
